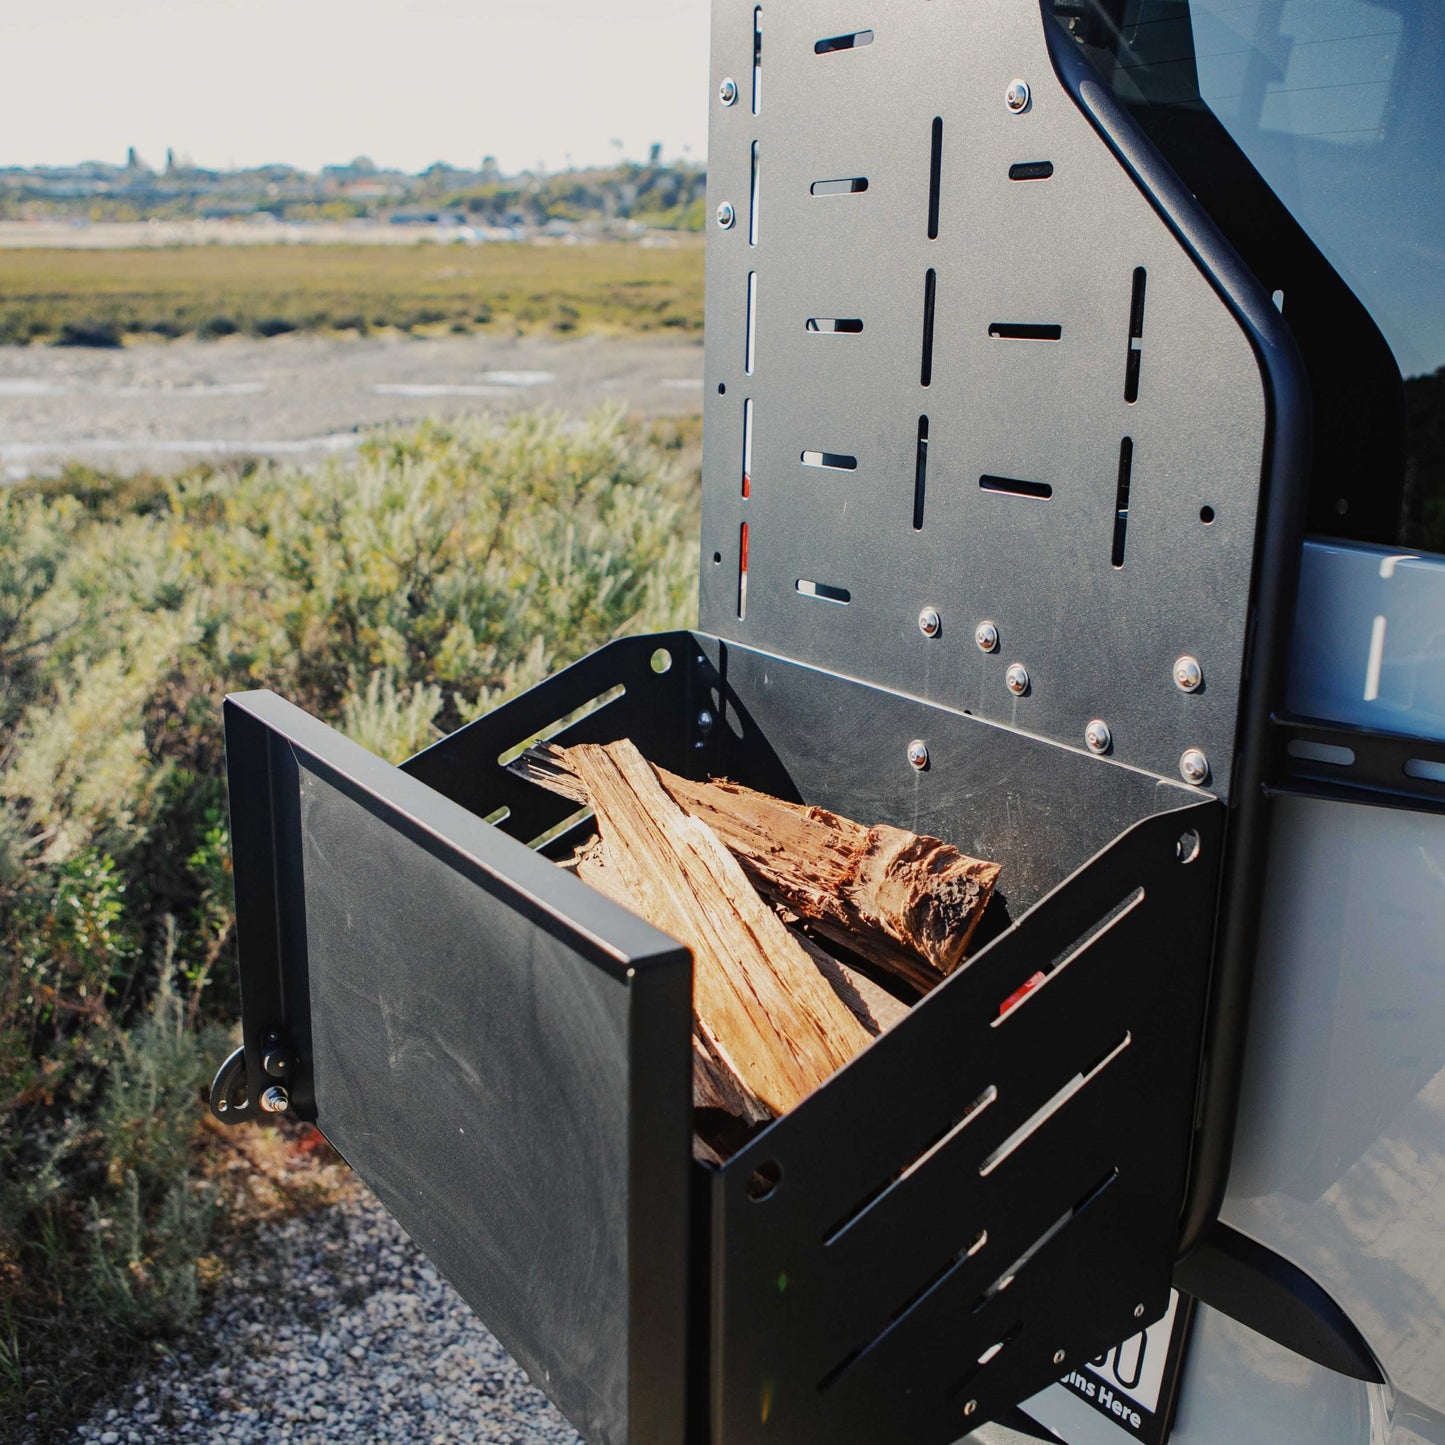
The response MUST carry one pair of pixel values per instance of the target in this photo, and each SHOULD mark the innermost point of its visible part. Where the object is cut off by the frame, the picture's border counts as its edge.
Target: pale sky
(407, 82)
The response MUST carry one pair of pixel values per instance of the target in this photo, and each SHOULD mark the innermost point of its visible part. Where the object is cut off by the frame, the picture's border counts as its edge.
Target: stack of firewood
(810, 933)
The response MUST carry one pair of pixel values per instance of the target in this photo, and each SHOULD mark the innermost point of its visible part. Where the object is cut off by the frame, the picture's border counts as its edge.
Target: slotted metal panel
(899, 421)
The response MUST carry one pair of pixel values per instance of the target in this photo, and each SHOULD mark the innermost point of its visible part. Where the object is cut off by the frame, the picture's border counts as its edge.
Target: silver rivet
(727, 92)
(1194, 766)
(726, 215)
(1058, 1357)
(275, 1100)
(969, 1408)
(1188, 675)
(1016, 97)
(1017, 678)
(1138, 1312)
(1098, 736)
(918, 754)
(986, 635)
(705, 721)
(929, 622)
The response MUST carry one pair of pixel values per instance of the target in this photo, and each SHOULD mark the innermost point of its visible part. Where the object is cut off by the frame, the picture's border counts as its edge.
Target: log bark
(906, 903)
(762, 1007)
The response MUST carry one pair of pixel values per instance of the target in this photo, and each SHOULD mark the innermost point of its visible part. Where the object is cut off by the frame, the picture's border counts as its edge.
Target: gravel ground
(335, 1327)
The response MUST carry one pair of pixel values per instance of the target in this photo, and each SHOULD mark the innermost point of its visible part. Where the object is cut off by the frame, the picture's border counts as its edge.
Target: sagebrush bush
(394, 595)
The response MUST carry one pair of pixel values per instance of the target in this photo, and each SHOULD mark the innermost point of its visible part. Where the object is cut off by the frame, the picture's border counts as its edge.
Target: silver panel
(1098, 641)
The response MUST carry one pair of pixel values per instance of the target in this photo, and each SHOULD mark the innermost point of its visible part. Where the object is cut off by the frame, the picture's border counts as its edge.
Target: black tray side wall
(500, 1053)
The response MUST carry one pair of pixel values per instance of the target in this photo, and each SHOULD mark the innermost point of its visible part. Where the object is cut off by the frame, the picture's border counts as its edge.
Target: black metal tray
(504, 1056)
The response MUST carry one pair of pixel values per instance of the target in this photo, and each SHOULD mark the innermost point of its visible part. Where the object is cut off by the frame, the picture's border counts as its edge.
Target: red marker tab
(1021, 993)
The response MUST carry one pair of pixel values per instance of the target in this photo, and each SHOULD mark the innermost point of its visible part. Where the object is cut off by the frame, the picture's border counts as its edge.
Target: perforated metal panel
(967, 393)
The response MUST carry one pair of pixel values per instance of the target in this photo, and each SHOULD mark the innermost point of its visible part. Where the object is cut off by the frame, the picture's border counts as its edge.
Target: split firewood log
(763, 1009)
(905, 903)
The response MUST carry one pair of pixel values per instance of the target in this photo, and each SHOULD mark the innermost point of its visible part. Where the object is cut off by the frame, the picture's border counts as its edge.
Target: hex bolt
(275, 1100)
(918, 754)
(705, 721)
(969, 1408)
(930, 624)
(1098, 736)
(726, 215)
(727, 92)
(1194, 766)
(1188, 675)
(1017, 678)
(986, 635)
(1016, 97)
(1058, 1357)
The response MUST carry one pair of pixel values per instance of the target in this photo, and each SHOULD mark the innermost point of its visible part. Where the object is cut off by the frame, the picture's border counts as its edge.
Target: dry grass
(103, 297)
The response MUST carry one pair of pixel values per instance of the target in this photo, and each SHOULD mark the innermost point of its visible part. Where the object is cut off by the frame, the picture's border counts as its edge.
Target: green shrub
(395, 595)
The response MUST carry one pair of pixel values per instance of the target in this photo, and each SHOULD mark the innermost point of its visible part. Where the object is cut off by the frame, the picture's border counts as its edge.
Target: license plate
(1127, 1393)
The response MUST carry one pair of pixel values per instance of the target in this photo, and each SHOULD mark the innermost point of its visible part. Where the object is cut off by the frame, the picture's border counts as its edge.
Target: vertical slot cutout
(757, 60)
(743, 573)
(1121, 499)
(834, 43)
(748, 448)
(935, 177)
(930, 295)
(750, 336)
(1136, 341)
(920, 474)
(753, 197)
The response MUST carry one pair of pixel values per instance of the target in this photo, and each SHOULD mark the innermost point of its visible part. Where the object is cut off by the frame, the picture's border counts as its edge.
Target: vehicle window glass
(1338, 108)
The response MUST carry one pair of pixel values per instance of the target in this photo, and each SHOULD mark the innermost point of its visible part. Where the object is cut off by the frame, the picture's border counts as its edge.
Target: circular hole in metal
(763, 1180)
(717, 559)
(1206, 515)
(722, 388)
(661, 660)
(1186, 848)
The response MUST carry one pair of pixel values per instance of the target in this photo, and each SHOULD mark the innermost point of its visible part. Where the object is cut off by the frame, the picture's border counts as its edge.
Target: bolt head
(1017, 679)
(1098, 736)
(918, 754)
(275, 1100)
(930, 624)
(727, 92)
(1188, 675)
(705, 721)
(1016, 97)
(726, 215)
(1194, 767)
(986, 635)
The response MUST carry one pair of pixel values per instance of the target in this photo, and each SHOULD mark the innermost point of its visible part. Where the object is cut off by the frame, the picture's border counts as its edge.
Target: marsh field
(102, 297)
(432, 569)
